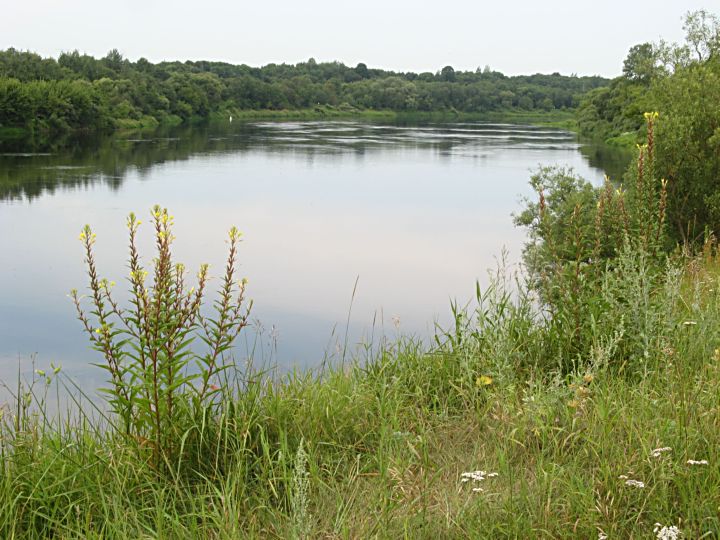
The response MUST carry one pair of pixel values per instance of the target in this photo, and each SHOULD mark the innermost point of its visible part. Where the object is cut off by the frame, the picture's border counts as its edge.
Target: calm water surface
(413, 214)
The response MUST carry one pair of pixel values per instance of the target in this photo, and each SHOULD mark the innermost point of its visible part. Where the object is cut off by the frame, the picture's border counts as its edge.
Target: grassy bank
(378, 448)
(560, 118)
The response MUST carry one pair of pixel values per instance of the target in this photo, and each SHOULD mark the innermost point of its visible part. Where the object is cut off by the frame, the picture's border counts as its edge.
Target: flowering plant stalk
(156, 380)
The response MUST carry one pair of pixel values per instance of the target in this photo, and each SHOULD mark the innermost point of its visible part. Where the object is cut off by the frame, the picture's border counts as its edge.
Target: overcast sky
(513, 36)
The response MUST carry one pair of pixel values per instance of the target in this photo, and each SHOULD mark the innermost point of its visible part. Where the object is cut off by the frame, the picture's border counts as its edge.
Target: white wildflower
(670, 532)
(697, 462)
(623, 477)
(660, 451)
(690, 323)
(602, 536)
(477, 476)
(635, 483)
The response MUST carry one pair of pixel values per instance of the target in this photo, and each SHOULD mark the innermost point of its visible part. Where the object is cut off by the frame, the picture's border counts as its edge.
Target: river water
(353, 230)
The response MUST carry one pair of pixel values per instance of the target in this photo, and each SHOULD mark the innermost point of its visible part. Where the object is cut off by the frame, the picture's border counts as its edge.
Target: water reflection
(108, 160)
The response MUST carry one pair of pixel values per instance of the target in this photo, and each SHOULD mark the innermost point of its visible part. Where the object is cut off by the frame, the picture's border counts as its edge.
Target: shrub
(577, 233)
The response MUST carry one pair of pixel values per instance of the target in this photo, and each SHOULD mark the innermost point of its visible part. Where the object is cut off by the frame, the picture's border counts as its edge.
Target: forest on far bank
(77, 91)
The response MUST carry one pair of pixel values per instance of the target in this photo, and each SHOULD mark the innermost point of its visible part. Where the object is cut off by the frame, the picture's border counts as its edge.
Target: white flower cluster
(602, 536)
(630, 482)
(660, 451)
(476, 476)
(670, 532)
(635, 483)
(697, 462)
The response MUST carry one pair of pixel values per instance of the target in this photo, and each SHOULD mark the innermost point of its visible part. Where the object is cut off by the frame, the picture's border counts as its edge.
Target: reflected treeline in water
(613, 160)
(83, 161)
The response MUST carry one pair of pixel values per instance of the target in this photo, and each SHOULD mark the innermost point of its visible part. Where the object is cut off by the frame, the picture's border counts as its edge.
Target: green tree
(702, 34)
(447, 74)
(641, 63)
(689, 147)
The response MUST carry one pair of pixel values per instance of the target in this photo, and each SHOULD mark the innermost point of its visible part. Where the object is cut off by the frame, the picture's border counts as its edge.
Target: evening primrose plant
(157, 380)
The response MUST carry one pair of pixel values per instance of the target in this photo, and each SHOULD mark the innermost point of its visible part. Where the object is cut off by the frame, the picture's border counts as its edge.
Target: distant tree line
(79, 91)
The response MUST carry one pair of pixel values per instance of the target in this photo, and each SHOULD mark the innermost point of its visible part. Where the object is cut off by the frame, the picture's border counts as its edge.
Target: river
(353, 230)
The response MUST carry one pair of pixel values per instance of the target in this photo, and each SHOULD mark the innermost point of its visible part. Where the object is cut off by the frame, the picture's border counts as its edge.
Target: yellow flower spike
(588, 378)
(483, 380)
(573, 403)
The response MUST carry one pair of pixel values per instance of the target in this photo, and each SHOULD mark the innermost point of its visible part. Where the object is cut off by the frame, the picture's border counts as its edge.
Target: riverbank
(555, 118)
(472, 438)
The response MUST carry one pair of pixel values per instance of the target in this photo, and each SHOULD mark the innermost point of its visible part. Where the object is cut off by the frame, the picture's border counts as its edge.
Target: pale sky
(586, 37)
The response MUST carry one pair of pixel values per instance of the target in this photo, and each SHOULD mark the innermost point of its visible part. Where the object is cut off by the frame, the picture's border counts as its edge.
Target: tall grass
(377, 449)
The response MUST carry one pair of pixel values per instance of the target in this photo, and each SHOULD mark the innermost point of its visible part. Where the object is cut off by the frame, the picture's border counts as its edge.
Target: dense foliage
(682, 83)
(79, 91)
(650, 71)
